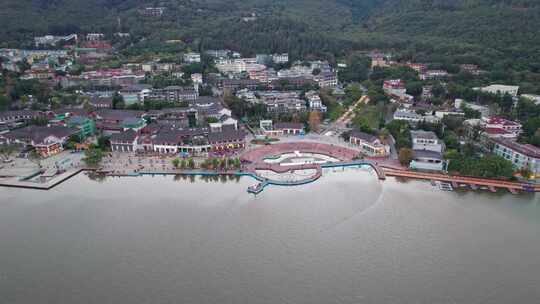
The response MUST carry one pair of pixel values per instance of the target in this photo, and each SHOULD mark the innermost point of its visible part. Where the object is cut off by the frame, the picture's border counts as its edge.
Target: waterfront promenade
(123, 164)
(457, 181)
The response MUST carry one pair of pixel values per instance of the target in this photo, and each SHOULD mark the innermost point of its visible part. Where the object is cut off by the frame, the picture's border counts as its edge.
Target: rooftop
(364, 136)
(525, 149)
(427, 154)
(126, 136)
(288, 125)
(420, 134)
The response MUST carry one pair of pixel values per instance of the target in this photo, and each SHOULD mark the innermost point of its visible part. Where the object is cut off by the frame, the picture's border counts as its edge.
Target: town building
(280, 58)
(136, 93)
(449, 112)
(532, 97)
(522, 156)
(501, 89)
(433, 74)
(197, 79)
(10, 117)
(240, 65)
(248, 96)
(395, 87)
(502, 127)
(470, 68)
(326, 79)
(51, 40)
(427, 151)
(85, 125)
(238, 84)
(269, 129)
(152, 11)
(485, 112)
(427, 92)
(218, 53)
(101, 102)
(173, 94)
(46, 140)
(192, 58)
(196, 141)
(418, 67)
(315, 102)
(277, 102)
(110, 121)
(292, 82)
(133, 123)
(125, 141)
(426, 140)
(409, 116)
(379, 62)
(425, 160)
(228, 139)
(369, 144)
(95, 37)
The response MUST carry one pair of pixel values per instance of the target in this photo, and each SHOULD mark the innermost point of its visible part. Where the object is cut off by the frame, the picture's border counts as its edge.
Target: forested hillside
(499, 35)
(494, 23)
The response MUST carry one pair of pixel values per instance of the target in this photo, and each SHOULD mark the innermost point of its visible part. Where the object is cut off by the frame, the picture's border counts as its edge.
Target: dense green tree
(400, 130)
(118, 101)
(93, 156)
(4, 103)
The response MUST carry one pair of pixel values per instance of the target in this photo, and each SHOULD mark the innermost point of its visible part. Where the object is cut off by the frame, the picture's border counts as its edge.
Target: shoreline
(458, 182)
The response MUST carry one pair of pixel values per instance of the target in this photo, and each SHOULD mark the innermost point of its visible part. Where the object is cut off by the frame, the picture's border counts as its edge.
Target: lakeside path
(131, 165)
(457, 180)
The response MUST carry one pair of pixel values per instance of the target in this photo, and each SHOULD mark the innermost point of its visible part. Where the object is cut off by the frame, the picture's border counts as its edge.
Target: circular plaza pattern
(293, 163)
(290, 150)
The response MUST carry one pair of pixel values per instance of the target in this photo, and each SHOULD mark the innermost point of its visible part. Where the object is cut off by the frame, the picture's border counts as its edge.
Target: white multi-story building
(53, 40)
(192, 57)
(280, 58)
(501, 89)
(484, 111)
(522, 156)
(427, 150)
(409, 116)
(326, 79)
(248, 96)
(315, 102)
(426, 140)
(95, 36)
(532, 97)
(197, 79)
(433, 74)
(239, 65)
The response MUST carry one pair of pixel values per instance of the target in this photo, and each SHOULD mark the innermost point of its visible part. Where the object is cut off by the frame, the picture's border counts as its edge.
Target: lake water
(347, 238)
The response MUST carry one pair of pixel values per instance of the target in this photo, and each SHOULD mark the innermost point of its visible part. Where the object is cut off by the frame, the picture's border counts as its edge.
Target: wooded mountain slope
(482, 28)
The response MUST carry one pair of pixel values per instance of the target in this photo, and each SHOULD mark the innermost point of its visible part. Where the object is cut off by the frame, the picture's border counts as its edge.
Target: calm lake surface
(347, 238)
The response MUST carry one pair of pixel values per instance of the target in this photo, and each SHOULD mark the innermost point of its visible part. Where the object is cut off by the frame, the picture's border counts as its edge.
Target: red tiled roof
(494, 131)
